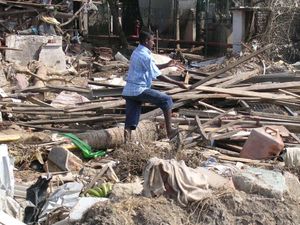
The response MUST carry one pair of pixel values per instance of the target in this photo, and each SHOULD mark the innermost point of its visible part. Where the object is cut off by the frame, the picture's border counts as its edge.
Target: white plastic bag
(6, 172)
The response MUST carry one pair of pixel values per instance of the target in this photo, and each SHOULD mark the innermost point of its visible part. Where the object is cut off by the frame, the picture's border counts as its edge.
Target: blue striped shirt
(142, 70)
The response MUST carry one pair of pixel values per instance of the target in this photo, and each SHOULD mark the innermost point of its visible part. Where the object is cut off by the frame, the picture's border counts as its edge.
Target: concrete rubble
(63, 159)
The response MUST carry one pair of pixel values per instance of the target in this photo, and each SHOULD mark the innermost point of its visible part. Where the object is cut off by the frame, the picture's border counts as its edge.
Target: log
(113, 137)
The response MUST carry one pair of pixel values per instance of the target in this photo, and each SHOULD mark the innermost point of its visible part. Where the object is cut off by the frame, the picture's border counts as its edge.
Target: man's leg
(162, 101)
(133, 111)
(171, 132)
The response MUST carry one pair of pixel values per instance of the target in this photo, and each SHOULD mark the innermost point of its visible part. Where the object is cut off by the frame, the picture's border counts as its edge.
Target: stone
(293, 186)
(260, 181)
(3, 80)
(125, 190)
(30, 46)
(216, 181)
(61, 159)
(53, 56)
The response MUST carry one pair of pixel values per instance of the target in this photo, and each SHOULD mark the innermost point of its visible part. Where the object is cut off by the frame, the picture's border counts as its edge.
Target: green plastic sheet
(85, 148)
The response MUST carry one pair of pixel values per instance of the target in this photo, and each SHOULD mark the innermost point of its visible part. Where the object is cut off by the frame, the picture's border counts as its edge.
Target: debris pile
(63, 159)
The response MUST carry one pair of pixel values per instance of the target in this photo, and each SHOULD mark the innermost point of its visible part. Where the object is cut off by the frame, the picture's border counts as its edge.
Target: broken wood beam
(270, 86)
(230, 66)
(211, 107)
(74, 120)
(240, 92)
(98, 106)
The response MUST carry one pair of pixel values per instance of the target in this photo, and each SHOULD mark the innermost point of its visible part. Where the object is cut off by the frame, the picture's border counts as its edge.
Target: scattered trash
(172, 177)
(121, 58)
(226, 170)
(66, 196)
(36, 194)
(6, 219)
(100, 191)
(262, 145)
(292, 157)
(6, 172)
(66, 98)
(61, 159)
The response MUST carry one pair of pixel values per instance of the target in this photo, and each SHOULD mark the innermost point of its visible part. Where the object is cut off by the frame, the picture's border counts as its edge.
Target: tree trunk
(113, 137)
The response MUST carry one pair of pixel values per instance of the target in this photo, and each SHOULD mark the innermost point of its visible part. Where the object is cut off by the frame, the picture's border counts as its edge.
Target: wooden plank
(38, 102)
(218, 80)
(11, 49)
(195, 96)
(275, 77)
(230, 66)
(211, 107)
(239, 92)
(52, 128)
(289, 93)
(270, 86)
(9, 137)
(158, 112)
(224, 136)
(196, 112)
(98, 83)
(217, 118)
(258, 122)
(65, 88)
(198, 72)
(201, 130)
(98, 106)
(239, 78)
(31, 109)
(54, 113)
(225, 126)
(227, 152)
(111, 92)
(74, 120)
(276, 116)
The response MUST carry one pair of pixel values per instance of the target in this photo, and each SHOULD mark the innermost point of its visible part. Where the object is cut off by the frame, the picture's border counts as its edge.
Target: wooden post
(157, 41)
(177, 25)
(113, 5)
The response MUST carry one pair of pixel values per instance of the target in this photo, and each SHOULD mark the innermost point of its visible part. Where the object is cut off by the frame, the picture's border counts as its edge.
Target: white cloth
(189, 184)
(292, 158)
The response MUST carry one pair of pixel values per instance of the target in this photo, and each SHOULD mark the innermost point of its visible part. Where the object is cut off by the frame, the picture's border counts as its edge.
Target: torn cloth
(189, 184)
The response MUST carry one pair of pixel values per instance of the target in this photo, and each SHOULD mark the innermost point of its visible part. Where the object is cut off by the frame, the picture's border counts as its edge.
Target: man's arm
(171, 81)
(162, 66)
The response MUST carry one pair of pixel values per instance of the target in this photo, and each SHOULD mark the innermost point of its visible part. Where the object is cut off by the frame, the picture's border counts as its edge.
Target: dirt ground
(223, 209)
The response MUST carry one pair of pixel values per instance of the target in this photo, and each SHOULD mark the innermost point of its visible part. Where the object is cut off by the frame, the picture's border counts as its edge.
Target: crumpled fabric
(292, 158)
(189, 184)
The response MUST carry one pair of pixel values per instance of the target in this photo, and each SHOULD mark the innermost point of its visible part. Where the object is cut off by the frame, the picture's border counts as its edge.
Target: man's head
(146, 39)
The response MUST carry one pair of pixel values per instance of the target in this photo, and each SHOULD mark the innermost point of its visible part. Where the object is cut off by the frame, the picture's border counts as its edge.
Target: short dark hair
(144, 35)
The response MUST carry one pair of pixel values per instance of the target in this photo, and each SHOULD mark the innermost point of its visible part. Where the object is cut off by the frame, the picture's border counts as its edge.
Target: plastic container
(262, 145)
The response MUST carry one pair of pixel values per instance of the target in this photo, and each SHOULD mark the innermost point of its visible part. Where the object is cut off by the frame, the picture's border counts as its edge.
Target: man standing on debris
(142, 70)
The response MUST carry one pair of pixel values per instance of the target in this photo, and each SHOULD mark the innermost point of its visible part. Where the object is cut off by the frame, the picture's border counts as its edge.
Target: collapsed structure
(63, 68)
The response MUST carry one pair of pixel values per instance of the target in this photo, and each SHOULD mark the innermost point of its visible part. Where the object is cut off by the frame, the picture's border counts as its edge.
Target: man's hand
(182, 85)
